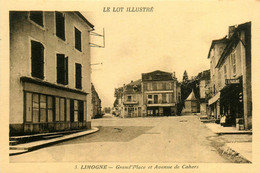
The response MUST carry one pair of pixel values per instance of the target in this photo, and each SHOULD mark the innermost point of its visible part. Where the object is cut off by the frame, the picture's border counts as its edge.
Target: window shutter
(71, 110)
(60, 68)
(78, 76)
(66, 71)
(60, 25)
(77, 39)
(37, 57)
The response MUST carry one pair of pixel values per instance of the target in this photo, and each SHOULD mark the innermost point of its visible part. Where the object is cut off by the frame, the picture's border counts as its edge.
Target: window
(150, 96)
(60, 109)
(164, 98)
(39, 108)
(155, 99)
(35, 108)
(164, 86)
(37, 57)
(43, 106)
(154, 86)
(60, 25)
(149, 86)
(76, 111)
(78, 76)
(159, 86)
(129, 98)
(77, 39)
(62, 69)
(81, 110)
(233, 60)
(50, 108)
(37, 17)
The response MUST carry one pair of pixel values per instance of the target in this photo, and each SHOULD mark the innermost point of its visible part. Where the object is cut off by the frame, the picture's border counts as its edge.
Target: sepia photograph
(110, 86)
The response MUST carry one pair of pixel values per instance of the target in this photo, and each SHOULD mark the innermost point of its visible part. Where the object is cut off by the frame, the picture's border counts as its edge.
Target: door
(139, 112)
(155, 99)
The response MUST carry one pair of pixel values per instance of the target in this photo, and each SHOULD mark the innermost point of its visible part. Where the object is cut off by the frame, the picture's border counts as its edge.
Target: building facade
(203, 79)
(96, 103)
(49, 71)
(156, 94)
(132, 100)
(230, 90)
(161, 93)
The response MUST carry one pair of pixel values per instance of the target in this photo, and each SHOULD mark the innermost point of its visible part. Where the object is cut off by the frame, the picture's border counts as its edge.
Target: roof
(133, 87)
(84, 19)
(191, 96)
(137, 82)
(204, 75)
(234, 40)
(157, 75)
(214, 42)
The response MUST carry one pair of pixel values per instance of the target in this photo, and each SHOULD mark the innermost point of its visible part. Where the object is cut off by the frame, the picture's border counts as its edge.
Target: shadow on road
(111, 134)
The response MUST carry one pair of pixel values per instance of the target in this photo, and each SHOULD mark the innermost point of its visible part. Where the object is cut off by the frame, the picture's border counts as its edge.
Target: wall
(22, 32)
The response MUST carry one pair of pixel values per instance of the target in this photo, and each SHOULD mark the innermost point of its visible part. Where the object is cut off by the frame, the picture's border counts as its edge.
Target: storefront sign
(232, 81)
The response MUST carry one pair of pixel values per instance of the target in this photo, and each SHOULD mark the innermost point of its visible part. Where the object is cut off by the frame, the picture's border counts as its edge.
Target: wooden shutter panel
(66, 71)
(78, 76)
(60, 68)
(60, 25)
(71, 110)
(37, 57)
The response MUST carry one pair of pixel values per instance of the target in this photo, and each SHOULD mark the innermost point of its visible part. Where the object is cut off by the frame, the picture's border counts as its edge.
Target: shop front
(231, 103)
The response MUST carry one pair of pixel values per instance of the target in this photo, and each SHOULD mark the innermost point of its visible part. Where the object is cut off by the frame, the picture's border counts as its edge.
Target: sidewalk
(240, 148)
(218, 129)
(26, 147)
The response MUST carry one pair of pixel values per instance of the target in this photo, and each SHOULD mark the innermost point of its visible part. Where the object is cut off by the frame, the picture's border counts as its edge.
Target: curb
(21, 150)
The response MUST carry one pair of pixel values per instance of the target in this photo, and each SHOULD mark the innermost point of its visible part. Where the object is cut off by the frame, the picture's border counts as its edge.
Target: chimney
(231, 30)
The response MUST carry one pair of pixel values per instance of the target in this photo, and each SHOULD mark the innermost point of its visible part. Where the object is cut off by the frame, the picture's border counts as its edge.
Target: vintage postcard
(128, 86)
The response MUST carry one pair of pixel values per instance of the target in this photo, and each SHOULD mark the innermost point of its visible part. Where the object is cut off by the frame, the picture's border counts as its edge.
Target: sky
(175, 37)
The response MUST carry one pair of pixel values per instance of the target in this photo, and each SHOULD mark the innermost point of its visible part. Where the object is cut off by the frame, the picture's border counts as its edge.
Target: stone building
(156, 94)
(203, 79)
(96, 103)
(132, 100)
(230, 91)
(161, 93)
(49, 71)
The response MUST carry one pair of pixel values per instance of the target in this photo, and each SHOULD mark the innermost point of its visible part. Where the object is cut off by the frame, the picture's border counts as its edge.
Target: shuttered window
(37, 59)
(62, 69)
(60, 25)
(77, 39)
(78, 76)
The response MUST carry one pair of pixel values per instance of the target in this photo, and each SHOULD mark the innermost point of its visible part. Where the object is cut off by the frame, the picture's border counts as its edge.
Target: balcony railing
(130, 102)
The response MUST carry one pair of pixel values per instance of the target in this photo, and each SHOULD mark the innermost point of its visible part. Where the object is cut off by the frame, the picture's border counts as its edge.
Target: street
(151, 139)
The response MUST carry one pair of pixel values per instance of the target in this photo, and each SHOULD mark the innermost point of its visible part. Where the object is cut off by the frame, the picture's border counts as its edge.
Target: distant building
(203, 79)
(96, 103)
(49, 71)
(132, 100)
(161, 93)
(156, 94)
(230, 91)
(191, 104)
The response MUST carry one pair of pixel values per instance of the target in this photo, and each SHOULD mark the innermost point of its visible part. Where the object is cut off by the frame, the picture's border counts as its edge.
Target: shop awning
(214, 99)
